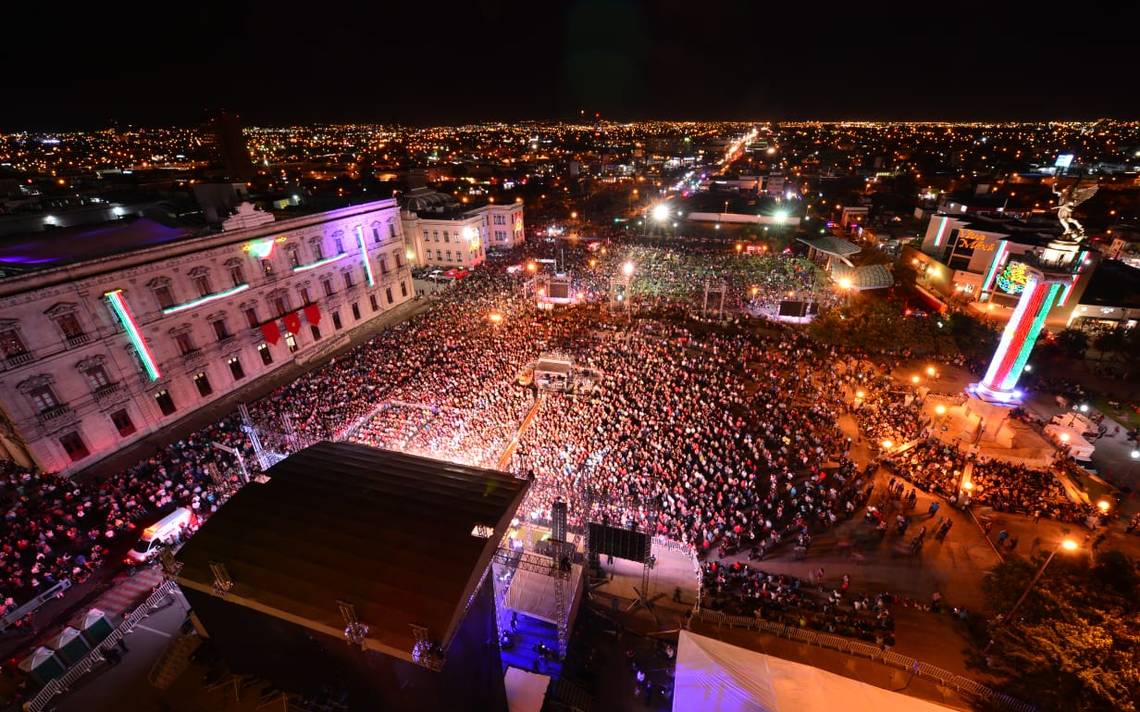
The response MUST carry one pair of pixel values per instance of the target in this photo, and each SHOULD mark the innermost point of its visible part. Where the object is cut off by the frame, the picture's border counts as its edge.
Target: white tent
(714, 676)
(526, 691)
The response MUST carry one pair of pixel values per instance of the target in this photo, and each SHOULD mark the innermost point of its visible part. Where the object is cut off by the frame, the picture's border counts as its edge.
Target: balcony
(74, 340)
(193, 356)
(107, 392)
(54, 413)
(19, 359)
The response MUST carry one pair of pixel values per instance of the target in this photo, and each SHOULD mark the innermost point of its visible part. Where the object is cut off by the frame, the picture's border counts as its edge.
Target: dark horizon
(496, 60)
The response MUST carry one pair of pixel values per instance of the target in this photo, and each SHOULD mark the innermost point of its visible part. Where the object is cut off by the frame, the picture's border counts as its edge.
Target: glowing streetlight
(1084, 408)
(888, 444)
(859, 394)
(627, 269)
(780, 217)
(660, 212)
(1069, 545)
(574, 215)
(531, 266)
(1104, 505)
(930, 371)
(1064, 437)
(967, 485)
(940, 409)
(1136, 454)
(915, 379)
(844, 283)
(495, 317)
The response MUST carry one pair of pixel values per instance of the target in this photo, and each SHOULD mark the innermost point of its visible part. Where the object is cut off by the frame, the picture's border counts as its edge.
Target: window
(388, 294)
(439, 255)
(375, 304)
(202, 381)
(399, 259)
(123, 422)
(96, 377)
(339, 245)
(164, 296)
(266, 357)
(185, 343)
(69, 325)
(237, 275)
(294, 258)
(281, 304)
(235, 368)
(318, 252)
(267, 268)
(336, 321)
(403, 289)
(435, 235)
(316, 332)
(327, 284)
(305, 298)
(391, 229)
(11, 344)
(73, 446)
(165, 402)
(251, 317)
(383, 265)
(445, 236)
(376, 234)
(43, 398)
(291, 342)
(220, 329)
(449, 255)
(356, 311)
(348, 280)
(202, 284)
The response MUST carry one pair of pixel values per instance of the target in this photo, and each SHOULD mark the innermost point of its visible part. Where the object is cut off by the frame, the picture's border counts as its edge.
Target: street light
(915, 378)
(660, 212)
(844, 283)
(930, 371)
(859, 394)
(887, 444)
(1104, 505)
(940, 409)
(627, 269)
(1066, 544)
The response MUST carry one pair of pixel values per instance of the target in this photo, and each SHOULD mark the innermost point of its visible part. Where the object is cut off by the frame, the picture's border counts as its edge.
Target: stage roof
(388, 532)
(864, 277)
(831, 245)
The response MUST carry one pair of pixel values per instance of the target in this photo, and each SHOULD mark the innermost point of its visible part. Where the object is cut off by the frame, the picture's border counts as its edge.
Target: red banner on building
(271, 331)
(313, 314)
(293, 322)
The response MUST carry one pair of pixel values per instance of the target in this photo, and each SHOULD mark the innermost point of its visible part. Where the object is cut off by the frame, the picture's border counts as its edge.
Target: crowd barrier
(95, 657)
(33, 605)
(873, 652)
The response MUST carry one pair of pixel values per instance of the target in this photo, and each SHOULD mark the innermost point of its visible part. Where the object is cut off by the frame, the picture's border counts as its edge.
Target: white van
(167, 530)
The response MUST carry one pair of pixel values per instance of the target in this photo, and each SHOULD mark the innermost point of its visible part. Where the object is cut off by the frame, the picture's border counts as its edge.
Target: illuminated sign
(1064, 160)
(1013, 278)
(970, 240)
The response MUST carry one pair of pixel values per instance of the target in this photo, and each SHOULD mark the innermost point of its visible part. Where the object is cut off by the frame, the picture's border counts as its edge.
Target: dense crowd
(724, 438)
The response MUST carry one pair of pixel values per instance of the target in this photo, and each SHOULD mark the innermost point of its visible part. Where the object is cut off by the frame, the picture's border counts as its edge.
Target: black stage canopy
(388, 532)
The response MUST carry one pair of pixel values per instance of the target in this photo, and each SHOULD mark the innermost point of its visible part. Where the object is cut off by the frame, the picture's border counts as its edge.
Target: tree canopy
(1075, 642)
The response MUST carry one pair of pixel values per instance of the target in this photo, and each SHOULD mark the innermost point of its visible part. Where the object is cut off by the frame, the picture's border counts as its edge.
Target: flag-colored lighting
(364, 256)
(319, 263)
(134, 335)
(205, 300)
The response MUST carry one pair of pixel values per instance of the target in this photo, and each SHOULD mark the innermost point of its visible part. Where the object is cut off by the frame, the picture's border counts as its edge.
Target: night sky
(88, 65)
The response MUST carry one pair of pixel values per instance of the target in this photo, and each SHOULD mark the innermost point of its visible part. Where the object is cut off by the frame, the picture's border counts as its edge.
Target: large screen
(615, 541)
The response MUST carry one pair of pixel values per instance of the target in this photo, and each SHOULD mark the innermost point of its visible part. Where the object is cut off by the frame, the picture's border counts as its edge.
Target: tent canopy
(714, 676)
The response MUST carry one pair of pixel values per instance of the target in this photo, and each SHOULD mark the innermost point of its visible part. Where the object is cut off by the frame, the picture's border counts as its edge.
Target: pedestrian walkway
(127, 590)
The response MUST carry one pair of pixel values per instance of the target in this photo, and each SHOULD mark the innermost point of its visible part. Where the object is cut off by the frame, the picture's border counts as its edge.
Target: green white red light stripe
(1076, 275)
(320, 263)
(206, 299)
(941, 231)
(364, 256)
(999, 254)
(1031, 338)
(134, 335)
(994, 372)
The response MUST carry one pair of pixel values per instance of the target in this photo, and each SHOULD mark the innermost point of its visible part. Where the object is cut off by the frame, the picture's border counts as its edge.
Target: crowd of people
(724, 438)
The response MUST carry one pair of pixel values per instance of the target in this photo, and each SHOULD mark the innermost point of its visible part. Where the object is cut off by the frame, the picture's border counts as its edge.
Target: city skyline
(628, 62)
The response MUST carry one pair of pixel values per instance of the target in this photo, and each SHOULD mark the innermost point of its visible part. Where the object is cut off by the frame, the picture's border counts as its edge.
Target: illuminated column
(1017, 340)
(364, 256)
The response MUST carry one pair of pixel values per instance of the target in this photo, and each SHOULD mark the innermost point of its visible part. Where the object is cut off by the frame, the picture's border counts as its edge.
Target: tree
(1073, 342)
(1075, 642)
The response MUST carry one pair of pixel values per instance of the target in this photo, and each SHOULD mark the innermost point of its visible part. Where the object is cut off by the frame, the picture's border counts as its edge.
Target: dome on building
(426, 200)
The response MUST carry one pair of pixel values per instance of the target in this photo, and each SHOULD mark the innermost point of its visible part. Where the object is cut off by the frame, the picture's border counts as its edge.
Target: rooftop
(1113, 284)
(52, 248)
(388, 532)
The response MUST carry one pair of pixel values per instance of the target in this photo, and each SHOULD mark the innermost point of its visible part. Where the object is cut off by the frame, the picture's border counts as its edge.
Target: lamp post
(1066, 544)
